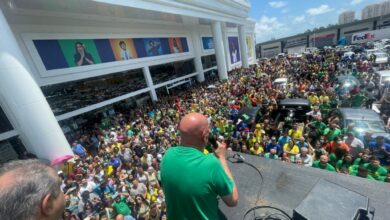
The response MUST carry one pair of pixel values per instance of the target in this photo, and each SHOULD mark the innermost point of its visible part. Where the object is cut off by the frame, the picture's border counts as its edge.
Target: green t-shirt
(121, 207)
(342, 166)
(357, 100)
(330, 135)
(321, 126)
(269, 156)
(353, 170)
(377, 172)
(325, 108)
(328, 167)
(191, 182)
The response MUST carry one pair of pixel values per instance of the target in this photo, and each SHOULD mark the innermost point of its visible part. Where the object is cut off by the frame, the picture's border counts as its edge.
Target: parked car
(348, 81)
(280, 82)
(384, 77)
(381, 58)
(364, 120)
(250, 114)
(292, 110)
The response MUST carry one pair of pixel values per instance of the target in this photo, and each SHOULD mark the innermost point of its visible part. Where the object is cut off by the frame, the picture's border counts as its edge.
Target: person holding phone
(192, 180)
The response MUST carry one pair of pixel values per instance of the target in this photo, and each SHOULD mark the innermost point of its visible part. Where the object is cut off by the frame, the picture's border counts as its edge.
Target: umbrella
(211, 87)
(61, 159)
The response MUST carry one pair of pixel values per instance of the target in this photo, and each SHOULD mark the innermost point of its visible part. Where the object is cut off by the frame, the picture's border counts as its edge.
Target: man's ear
(47, 205)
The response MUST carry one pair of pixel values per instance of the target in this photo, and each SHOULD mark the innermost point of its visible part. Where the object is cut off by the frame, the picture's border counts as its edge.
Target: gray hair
(31, 182)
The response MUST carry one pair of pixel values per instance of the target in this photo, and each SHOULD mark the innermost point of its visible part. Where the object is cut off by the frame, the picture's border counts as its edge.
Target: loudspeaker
(328, 200)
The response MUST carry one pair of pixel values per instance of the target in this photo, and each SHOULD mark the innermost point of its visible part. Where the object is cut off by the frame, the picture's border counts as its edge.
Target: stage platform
(286, 185)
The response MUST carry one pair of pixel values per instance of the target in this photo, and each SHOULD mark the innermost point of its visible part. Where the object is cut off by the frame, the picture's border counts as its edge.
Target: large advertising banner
(249, 44)
(153, 47)
(79, 52)
(123, 49)
(366, 36)
(208, 43)
(67, 53)
(234, 50)
(322, 40)
(175, 45)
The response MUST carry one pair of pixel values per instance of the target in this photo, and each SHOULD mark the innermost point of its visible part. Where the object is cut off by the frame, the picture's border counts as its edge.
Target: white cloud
(277, 4)
(299, 19)
(356, 2)
(341, 10)
(267, 25)
(322, 9)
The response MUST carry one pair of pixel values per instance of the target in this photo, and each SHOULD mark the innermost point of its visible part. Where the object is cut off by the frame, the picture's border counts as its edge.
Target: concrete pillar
(243, 46)
(197, 53)
(25, 103)
(149, 82)
(219, 50)
(226, 46)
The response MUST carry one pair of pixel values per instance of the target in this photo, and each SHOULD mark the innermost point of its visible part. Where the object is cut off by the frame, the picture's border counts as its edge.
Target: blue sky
(276, 19)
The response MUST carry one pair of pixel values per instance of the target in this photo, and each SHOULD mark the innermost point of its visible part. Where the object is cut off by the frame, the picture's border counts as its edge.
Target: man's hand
(220, 152)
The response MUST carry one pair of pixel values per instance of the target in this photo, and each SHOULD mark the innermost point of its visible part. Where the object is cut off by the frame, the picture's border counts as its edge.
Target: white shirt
(307, 160)
(356, 145)
(234, 56)
(125, 55)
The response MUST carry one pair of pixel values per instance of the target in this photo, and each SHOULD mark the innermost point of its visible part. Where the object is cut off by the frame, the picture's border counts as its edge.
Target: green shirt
(191, 182)
(328, 167)
(357, 100)
(353, 170)
(269, 156)
(330, 135)
(121, 207)
(321, 126)
(376, 172)
(342, 166)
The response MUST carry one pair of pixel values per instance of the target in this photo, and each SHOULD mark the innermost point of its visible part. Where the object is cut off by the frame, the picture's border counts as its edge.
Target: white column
(149, 82)
(226, 46)
(197, 53)
(24, 100)
(243, 47)
(219, 50)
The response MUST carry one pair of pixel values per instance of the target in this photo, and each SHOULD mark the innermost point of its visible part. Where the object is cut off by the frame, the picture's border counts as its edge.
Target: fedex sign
(366, 36)
(363, 37)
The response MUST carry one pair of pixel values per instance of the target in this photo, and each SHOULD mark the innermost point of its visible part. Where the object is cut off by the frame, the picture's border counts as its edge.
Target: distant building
(346, 17)
(385, 8)
(376, 10)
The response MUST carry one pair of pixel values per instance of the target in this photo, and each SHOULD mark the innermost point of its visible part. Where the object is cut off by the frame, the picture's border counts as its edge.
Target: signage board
(367, 36)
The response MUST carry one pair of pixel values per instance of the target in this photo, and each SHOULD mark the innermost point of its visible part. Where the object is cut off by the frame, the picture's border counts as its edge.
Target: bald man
(30, 190)
(192, 180)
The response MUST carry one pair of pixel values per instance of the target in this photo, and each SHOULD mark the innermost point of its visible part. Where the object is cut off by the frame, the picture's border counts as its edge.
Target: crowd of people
(116, 170)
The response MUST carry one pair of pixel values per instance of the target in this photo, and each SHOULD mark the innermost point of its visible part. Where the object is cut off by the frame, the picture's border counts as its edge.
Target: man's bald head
(194, 130)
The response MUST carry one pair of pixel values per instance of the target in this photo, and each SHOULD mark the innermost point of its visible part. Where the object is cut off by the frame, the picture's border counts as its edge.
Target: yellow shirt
(313, 99)
(118, 145)
(295, 135)
(259, 134)
(324, 98)
(260, 150)
(291, 150)
(252, 142)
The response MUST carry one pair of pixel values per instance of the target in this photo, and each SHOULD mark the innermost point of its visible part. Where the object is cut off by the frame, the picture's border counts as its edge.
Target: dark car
(365, 120)
(292, 110)
(249, 114)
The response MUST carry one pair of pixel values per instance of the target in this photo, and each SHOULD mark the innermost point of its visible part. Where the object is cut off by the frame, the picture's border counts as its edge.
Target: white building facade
(62, 59)
(376, 10)
(346, 17)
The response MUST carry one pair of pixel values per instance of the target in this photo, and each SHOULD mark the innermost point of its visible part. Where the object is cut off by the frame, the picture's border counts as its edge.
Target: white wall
(270, 50)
